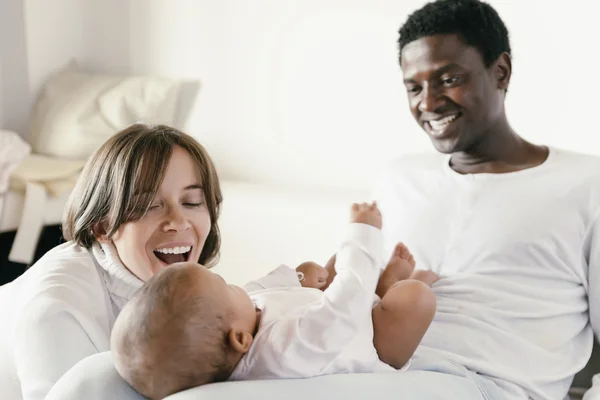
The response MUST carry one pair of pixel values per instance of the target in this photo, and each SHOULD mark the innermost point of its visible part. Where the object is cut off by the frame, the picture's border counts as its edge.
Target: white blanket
(13, 150)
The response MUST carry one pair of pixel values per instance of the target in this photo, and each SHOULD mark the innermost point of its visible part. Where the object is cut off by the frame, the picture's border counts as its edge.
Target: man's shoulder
(575, 157)
(573, 163)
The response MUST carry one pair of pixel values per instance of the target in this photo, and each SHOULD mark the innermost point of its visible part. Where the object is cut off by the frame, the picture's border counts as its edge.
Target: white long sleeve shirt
(57, 313)
(306, 332)
(519, 256)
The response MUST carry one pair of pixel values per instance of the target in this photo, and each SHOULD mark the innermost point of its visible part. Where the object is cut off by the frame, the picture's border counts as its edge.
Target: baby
(187, 327)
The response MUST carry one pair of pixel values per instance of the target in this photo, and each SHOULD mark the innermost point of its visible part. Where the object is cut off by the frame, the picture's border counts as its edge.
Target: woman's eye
(193, 205)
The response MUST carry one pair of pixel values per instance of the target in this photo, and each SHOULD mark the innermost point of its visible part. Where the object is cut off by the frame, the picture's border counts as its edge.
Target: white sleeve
(48, 342)
(313, 340)
(593, 257)
(282, 276)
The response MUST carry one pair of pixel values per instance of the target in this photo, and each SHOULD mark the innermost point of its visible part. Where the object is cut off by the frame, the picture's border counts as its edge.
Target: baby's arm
(307, 274)
(282, 276)
(311, 341)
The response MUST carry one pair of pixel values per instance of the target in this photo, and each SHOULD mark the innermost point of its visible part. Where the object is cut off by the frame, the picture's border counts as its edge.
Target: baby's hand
(312, 275)
(366, 214)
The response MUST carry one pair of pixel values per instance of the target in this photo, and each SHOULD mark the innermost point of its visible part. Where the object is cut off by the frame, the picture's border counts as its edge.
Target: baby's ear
(240, 341)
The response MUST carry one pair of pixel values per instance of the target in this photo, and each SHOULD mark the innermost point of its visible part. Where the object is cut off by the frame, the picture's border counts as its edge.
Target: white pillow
(77, 110)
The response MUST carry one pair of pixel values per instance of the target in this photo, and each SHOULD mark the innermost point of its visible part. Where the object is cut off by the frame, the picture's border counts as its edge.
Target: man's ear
(240, 341)
(503, 70)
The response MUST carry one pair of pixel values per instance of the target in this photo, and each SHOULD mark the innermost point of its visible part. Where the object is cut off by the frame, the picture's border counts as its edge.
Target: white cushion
(93, 378)
(78, 110)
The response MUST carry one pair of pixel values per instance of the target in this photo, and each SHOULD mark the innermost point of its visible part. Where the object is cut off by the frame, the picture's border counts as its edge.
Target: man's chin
(445, 146)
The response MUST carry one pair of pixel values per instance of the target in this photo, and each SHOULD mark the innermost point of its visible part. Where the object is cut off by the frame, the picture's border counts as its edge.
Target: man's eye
(450, 81)
(412, 89)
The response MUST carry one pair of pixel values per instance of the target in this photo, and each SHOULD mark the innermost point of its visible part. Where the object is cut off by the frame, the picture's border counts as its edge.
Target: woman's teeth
(439, 126)
(174, 250)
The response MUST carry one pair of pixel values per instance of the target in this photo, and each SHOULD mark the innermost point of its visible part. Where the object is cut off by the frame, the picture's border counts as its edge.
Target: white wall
(310, 91)
(15, 96)
(1, 95)
(54, 36)
(306, 91)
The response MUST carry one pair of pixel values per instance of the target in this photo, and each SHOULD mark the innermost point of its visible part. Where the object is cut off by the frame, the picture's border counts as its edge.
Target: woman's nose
(176, 220)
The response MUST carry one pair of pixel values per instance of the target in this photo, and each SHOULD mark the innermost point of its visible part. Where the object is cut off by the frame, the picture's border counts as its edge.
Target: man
(511, 227)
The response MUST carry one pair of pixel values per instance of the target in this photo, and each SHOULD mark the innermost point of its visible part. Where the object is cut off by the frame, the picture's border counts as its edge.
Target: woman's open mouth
(172, 255)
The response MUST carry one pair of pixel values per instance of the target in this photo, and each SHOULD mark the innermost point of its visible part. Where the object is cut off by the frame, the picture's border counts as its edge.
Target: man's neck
(501, 151)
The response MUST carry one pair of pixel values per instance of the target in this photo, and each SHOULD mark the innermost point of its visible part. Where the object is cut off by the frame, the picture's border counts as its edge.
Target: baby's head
(186, 327)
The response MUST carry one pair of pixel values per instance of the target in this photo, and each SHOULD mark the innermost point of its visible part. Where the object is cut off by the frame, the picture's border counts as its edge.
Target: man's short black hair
(476, 22)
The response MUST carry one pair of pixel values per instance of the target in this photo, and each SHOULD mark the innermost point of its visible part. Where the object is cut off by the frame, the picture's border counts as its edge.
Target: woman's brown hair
(121, 179)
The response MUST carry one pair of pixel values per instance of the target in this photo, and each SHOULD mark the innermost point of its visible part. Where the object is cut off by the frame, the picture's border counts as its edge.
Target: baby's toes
(402, 251)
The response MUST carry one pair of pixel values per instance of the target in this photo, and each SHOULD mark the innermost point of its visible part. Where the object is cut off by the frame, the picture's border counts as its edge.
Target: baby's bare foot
(402, 252)
(399, 268)
(401, 263)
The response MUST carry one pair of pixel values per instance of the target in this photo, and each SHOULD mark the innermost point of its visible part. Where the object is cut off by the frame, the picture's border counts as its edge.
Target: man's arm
(593, 252)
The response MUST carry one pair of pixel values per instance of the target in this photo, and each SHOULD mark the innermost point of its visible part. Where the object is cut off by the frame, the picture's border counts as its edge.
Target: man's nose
(430, 100)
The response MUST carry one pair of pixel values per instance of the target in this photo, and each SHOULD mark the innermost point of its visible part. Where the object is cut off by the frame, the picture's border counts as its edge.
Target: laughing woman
(147, 198)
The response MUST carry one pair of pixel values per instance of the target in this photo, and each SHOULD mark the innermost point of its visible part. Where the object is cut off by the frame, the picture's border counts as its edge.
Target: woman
(149, 197)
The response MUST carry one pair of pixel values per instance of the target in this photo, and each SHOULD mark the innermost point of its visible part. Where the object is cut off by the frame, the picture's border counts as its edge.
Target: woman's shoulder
(67, 275)
(67, 262)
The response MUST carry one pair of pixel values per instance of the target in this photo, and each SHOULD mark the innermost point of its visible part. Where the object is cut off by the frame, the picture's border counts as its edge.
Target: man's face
(451, 93)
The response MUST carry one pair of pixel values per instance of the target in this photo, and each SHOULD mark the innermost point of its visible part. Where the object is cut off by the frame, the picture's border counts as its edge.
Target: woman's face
(175, 227)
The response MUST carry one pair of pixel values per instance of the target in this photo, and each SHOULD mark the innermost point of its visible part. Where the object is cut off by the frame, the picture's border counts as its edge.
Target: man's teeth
(440, 125)
(174, 250)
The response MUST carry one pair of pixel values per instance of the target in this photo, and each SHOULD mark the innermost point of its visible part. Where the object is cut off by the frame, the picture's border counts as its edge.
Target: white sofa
(95, 378)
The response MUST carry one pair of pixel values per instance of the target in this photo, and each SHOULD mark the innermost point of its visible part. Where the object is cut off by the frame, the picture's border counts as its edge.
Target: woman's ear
(239, 341)
(99, 232)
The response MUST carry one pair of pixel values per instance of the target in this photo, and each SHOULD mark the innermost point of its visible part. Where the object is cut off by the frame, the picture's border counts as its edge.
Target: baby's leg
(401, 320)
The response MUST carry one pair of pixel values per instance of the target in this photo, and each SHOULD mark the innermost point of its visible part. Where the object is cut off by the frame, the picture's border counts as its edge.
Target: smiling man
(512, 227)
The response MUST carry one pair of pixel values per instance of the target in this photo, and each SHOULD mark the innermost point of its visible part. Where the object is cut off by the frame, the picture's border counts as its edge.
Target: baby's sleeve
(282, 276)
(308, 343)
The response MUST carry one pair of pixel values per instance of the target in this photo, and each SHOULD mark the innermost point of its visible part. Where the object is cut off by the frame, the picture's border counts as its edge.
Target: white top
(306, 332)
(58, 312)
(519, 254)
